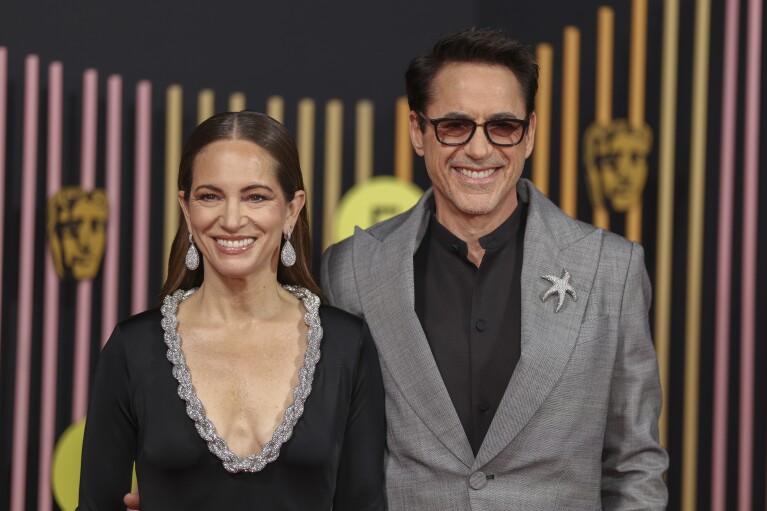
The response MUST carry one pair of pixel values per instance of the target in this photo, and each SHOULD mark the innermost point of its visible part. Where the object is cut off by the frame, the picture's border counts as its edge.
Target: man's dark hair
(481, 45)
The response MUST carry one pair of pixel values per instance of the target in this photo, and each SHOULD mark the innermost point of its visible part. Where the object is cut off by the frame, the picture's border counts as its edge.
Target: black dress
(334, 457)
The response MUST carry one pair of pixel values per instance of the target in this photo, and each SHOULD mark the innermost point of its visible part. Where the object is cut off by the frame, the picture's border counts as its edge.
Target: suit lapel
(384, 273)
(553, 242)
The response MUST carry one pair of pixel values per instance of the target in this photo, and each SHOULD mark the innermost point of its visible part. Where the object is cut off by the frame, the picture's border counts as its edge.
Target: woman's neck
(224, 300)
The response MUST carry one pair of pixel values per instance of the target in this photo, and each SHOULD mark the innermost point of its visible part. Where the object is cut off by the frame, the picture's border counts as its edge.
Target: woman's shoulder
(342, 329)
(338, 319)
(150, 319)
(140, 330)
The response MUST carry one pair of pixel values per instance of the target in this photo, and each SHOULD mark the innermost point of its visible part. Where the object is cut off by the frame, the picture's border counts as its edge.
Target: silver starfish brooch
(561, 287)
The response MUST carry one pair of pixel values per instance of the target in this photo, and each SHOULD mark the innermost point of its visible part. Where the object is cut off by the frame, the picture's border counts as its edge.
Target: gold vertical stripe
(363, 151)
(605, 50)
(173, 98)
(544, 54)
(568, 193)
(275, 108)
(665, 222)
(206, 104)
(305, 142)
(638, 62)
(604, 89)
(695, 253)
(333, 167)
(637, 98)
(403, 150)
(237, 102)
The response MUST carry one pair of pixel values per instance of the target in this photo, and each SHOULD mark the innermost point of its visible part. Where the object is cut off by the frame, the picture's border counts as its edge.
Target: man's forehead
(470, 89)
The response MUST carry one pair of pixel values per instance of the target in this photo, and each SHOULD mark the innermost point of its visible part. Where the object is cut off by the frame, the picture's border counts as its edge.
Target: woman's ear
(294, 208)
(184, 209)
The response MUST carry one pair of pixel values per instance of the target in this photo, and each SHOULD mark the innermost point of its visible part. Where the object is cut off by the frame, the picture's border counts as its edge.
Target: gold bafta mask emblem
(615, 156)
(77, 231)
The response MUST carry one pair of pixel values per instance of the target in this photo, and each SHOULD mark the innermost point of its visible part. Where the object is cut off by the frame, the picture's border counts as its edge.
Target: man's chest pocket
(595, 347)
(593, 329)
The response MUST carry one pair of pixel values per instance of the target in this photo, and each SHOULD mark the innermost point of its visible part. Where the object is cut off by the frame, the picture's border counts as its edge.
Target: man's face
(477, 178)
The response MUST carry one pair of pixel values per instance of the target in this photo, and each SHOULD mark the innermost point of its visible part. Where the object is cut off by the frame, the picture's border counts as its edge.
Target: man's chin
(476, 205)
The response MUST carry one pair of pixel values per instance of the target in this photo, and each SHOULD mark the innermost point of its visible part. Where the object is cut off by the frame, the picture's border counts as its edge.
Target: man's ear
(530, 135)
(416, 135)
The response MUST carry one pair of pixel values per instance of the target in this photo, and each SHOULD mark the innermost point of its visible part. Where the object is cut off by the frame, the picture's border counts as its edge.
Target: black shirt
(471, 316)
(333, 459)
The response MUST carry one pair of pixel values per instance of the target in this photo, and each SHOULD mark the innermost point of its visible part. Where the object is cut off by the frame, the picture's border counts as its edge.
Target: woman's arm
(109, 445)
(360, 473)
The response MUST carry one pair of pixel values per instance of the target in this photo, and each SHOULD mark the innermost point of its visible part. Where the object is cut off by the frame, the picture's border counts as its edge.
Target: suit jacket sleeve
(337, 278)
(633, 460)
(327, 287)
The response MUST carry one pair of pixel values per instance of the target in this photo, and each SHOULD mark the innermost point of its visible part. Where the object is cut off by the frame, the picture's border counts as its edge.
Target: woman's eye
(255, 198)
(208, 197)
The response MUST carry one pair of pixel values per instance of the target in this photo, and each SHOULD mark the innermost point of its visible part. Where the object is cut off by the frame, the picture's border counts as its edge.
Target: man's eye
(504, 127)
(455, 125)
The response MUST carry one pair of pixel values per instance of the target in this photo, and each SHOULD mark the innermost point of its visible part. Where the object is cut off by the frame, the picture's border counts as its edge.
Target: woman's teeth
(235, 243)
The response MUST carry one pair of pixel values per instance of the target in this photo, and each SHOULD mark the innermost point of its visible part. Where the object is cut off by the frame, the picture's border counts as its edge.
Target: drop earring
(288, 253)
(192, 259)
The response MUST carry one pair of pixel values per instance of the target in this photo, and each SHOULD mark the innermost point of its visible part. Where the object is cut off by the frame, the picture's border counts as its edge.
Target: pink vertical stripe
(84, 307)
(750, 232)
(51, 298)
(724, 258)
(141, 197)
(112, 254)
(26, 283)
(3, 94)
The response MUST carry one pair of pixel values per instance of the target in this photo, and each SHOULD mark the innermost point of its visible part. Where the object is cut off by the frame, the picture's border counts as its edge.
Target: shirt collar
(503, 234)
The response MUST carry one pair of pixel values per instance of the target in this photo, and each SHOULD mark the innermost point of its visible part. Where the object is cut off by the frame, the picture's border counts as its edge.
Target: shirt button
(480, 325)
(478, 480)
(483, 405)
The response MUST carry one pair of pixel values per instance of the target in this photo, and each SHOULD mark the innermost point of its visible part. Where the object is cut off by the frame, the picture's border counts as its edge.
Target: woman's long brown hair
(272, 136)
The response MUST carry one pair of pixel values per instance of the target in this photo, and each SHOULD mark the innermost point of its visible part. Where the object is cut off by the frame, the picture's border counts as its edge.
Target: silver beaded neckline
(194, 407)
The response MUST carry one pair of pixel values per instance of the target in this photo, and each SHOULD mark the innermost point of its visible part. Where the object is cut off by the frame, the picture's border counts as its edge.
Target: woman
(241, 392)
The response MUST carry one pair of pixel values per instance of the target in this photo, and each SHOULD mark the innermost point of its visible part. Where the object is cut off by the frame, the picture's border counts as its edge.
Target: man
(514, 341)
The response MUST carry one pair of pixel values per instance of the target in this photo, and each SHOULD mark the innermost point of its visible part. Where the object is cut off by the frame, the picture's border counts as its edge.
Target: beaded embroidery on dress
(194, 407)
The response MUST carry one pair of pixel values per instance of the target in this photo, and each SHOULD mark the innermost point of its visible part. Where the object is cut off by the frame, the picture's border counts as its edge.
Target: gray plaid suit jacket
(577, 426)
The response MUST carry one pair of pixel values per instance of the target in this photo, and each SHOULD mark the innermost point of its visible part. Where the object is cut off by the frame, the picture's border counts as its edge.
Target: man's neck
(470, 228)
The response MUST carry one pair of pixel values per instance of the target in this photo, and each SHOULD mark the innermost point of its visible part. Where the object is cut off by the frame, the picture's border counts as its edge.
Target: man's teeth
(235, 243)
(476, 174)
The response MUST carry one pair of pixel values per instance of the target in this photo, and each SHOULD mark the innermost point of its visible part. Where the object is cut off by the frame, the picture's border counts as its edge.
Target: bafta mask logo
(77, 231)
(615, 156)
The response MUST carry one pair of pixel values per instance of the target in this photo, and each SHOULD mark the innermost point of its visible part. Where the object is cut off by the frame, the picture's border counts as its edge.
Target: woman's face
(237, 212)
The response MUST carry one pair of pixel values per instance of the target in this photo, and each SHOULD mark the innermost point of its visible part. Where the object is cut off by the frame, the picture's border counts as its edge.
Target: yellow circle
(65, 476)
(66, 466)
(373, 201)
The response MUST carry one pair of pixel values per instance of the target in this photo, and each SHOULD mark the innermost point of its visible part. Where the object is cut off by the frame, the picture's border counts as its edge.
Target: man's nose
(479, 147)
